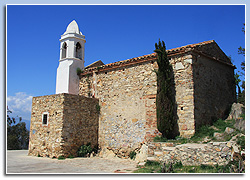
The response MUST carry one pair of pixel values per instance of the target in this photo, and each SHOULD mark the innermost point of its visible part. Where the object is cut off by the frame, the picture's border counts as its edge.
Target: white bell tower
(71, 58)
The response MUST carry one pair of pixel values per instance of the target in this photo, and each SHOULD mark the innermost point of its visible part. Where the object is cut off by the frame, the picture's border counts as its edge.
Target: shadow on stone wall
(81, 123)
(214, 90)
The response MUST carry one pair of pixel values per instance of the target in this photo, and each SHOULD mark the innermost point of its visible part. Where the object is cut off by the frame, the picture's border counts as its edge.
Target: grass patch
(222, 124)
(152, 163)
(204, 131)
(160, 139)
(156, 167)
(241, 142)
(196, 169)
(149, 167)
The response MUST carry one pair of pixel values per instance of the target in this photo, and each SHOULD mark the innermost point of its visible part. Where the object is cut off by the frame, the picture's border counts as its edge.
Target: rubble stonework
(204, 90)
(128, 102)
(211, 153)
(116, 105)
(72, 122)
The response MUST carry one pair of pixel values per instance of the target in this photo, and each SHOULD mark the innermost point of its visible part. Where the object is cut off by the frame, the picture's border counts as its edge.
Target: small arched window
(64, 50)
(78, 50)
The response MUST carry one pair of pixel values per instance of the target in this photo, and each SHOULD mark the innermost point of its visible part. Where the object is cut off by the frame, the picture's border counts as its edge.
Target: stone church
(114, 105)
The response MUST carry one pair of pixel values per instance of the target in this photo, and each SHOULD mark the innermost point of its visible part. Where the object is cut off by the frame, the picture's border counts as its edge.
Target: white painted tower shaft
(71, 58)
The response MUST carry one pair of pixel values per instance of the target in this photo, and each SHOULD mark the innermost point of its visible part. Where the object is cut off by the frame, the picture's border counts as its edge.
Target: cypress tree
(165, 96)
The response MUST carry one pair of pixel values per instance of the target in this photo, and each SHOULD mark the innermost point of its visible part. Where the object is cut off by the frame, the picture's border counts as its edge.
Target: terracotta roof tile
(152, 56)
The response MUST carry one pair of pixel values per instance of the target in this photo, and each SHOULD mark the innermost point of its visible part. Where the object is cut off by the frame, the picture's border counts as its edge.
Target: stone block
(189, 61)
(168, 148)
(236, 111)
(179, 66)
(229, 130)
(184, 127)
(158, 153)
(218, 135)
(151, 158)
(216, 143)
(134, 120)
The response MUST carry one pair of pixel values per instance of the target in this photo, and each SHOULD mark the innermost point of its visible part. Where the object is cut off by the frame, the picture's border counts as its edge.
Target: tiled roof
(95, 64)
(149, 57)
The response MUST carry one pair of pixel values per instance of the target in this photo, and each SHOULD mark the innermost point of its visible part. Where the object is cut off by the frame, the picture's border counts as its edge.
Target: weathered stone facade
(211, 153)
(126, 93)
(72, 122)
(214, 91)
(204, 90)
(127, 100)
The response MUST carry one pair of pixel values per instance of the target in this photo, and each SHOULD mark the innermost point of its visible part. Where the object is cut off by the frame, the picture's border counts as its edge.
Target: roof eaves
(149, 57)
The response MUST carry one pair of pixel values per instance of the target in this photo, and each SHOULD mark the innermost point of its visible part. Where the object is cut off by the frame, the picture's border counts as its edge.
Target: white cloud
(20, 105)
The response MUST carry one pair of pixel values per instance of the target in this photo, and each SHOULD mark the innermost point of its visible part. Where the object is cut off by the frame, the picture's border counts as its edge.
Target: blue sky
(112, 32)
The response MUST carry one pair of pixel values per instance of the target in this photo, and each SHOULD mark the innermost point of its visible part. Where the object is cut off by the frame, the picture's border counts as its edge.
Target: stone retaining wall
(192, 154)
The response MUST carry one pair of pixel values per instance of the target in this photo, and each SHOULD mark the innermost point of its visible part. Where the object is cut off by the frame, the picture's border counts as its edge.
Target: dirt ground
(17, 161)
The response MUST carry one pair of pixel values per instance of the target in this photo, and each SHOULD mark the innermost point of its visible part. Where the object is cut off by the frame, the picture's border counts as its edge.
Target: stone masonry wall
(211, 153)
(214, 89)
(72, 122)
(45, 140)
(80, 125)
(127, 99)
(125, 96)
(182, 67)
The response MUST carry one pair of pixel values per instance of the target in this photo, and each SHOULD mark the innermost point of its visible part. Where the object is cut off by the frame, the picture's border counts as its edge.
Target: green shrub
(242, 116)
(241, 142)
(132, 154)
(177, 165)
(79, 71)
(206, 167)
(71, 156)
(84, 150)
(98, 108)
(61, 158)
(95, 149)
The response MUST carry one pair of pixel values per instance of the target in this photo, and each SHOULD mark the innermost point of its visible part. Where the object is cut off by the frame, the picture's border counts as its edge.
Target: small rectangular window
(45, 118)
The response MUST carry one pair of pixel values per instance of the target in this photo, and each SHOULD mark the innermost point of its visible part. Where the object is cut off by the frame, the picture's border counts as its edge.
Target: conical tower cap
(73, 28)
